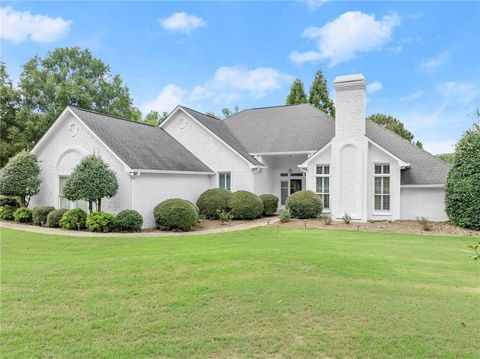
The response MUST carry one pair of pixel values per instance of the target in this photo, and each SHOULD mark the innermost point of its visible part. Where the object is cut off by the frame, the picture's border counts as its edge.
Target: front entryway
(289, 184)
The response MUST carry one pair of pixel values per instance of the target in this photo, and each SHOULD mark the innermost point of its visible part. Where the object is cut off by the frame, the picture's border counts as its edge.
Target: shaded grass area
(264, 292)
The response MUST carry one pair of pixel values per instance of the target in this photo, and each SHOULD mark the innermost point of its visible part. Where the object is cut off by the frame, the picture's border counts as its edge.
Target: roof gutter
(172, 172)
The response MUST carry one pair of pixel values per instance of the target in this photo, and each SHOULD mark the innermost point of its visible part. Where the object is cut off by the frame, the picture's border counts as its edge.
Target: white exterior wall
(210, 151)
(263, 178)
(66, 146)
(422, 202)
(322, 158)
(149, 189)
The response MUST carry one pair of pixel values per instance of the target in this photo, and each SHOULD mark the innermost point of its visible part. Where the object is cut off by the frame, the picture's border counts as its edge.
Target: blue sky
(421, 59)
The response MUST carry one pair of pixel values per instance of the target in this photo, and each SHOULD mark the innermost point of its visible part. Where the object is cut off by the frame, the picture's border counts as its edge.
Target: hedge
(54, 217)
(9, 201)
(75, 218)
(304, 204)
(39, 215)
(245, 205)
(6, 212)
(212, 201)
(100, 222)
(175, 214)
(270, 204)
(23, 215)
(128, 220)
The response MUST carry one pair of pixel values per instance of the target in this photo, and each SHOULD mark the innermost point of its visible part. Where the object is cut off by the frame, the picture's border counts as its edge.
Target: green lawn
(265, 292)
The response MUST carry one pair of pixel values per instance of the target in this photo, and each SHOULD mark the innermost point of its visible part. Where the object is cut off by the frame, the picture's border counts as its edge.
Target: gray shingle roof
(219, 128)
(282, 128)
(139, 145)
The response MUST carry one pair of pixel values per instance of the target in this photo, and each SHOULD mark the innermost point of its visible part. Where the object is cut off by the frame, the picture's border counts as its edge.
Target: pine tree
(319, 96)
(297, 93)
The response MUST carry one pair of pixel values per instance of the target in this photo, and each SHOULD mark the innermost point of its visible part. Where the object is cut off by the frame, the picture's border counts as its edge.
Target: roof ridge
(111, 116)
(278, 106)
(407, 141)
(201, 113)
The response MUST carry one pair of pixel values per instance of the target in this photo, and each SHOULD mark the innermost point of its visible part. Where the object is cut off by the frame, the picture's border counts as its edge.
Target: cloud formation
(374, 86)
(182, 22)
(18, 26)
(432, 63)
(343, 38)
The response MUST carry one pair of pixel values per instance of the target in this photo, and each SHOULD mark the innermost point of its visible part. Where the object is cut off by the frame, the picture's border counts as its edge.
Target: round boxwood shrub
(23, 215)
(39, 215)
(270, 204)
(212, 201)
(100, 222)
(9, 201)
(175, 214)
(128, 220)
(245, 205)
(6, 212)
(304, 204)
(74, 219)
(54, 217)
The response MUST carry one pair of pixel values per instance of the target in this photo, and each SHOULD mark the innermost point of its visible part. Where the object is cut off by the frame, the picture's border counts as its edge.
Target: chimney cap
(347, 82)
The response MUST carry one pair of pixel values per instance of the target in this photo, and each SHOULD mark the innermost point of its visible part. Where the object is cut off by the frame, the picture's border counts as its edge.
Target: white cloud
(168, 98)
(18, 26)
(413, 96)
(315, 4)
(434, 62)
(374, 86)
(341, 39)
(182, 22)
(458, 92)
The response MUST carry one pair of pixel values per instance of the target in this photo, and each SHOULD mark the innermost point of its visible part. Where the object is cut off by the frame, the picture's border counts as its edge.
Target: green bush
(39, 215)
(100, 222)
(245, 205)
(285, 216)
(6, 212)
(128, 220)
(175, 214)
(270, 204)
(54, 217)
(213, 200)
(74, 219)
(23, 215)
(462, 191)
(9, 201)
(304, 204)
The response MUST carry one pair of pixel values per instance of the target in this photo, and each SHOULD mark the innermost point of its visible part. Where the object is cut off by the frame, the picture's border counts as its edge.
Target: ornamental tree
(319, 96)
(462, 191)
(297, 93)
(20, 177)
(91, 180)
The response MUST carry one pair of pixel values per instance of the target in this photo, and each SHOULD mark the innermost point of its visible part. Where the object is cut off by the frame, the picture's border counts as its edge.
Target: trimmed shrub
(74, 219)
(39, 215)
(6, 212)
(213, 200)
(54, 217)
(100, 222)
(304, 204)
(128, 220)
(9, 201)
(245, 205)
(270, 204)
(175, 214)
(462, 190)
(285, 216)
(23, 215)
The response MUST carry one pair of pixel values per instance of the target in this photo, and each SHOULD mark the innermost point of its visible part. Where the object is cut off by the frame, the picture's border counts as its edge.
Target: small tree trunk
(23, 201)
(99, 204)
(90, 206)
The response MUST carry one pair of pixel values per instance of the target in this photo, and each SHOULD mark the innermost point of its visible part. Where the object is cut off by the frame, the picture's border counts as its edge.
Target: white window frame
(324, 177)
(287, 176)
(71, 204)
(383, 174)
(227, 184)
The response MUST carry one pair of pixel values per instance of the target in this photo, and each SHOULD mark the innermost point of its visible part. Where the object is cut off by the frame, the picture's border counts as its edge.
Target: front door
(295, 185)
(289, 184)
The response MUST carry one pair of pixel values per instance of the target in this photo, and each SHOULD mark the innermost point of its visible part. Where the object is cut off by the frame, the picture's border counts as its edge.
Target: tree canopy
(297, 93)
(319, 96)
(20, 177)
(447, 157)
(394, 125)
(91, 180)
(462, 191)
(154, 118)
(69, 76)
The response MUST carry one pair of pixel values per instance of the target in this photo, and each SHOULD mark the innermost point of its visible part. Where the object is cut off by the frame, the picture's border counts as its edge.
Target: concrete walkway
(63, 232)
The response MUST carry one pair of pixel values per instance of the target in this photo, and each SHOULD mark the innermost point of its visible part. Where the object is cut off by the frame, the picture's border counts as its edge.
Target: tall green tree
(319, 96)
(154, 118)
(462, 191)
(69, 76)
(447, 157)
(394, 125)
(297, 93)
(9, 126)
(91, 180)
(20, 177)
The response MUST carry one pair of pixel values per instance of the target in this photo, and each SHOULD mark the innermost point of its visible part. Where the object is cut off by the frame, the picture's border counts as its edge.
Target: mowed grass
(265, 292)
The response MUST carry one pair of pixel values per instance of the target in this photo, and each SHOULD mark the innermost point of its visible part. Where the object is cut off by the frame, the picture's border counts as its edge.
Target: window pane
(283, 174)
(378, 169)
(82, 204)
(386, 203)
(319, 185)
(326, 184)
(62, 181)
(229, 180)
(221, 179)
(378, 203)
(283, 192)
(378, 185)
(326, 170)
(297, 174)
(319, 170)
(64, 203)
(386, 169)
(386, 185)
(326, 201)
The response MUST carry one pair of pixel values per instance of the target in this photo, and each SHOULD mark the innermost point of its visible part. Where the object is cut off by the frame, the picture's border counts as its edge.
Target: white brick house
(355, 165)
